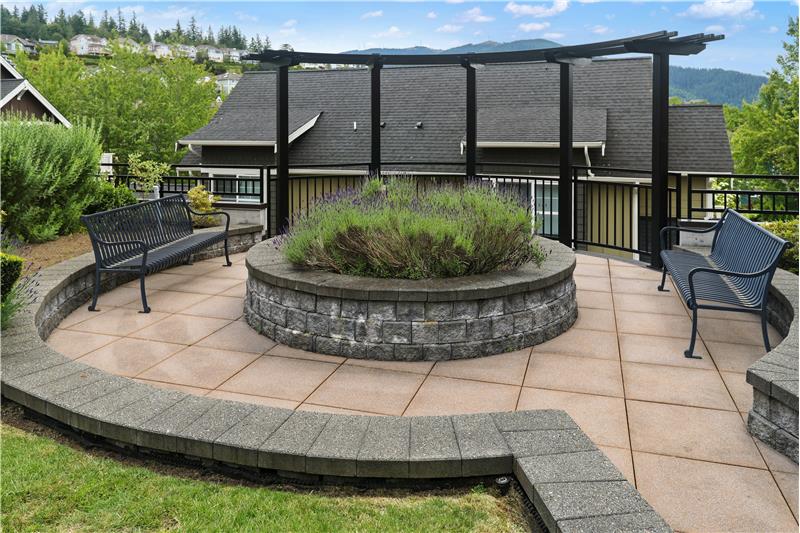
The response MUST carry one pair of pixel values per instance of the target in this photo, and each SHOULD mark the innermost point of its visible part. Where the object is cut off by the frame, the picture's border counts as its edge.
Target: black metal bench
(736, 274)
(147, 237)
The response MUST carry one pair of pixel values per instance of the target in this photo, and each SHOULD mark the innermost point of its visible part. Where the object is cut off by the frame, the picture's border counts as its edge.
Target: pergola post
(660, 155)
(282, 148)
(472, 122)
(375, 110)
(565, 155)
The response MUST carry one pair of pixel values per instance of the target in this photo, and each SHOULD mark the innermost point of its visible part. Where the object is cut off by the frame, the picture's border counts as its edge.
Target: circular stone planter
(409, 320)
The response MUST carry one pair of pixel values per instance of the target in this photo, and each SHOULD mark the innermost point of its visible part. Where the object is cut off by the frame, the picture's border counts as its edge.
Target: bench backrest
(741, 245)
(156, 222)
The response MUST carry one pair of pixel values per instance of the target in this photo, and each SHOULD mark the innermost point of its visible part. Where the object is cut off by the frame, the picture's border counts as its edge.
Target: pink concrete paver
(675, 427)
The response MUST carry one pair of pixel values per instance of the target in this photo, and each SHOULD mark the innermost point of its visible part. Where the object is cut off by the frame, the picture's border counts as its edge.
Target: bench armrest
(227, 216)
(101, 243)
(666, 229)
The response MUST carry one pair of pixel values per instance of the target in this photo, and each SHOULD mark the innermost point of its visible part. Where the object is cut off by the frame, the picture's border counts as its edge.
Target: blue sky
(754, 30)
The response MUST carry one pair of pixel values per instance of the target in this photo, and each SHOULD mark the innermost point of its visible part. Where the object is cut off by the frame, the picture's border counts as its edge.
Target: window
(545, 206)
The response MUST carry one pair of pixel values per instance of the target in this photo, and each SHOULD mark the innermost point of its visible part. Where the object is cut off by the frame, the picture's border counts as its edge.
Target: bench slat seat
(734, 277)
(711, 287)
(146, 238)
(174, 253)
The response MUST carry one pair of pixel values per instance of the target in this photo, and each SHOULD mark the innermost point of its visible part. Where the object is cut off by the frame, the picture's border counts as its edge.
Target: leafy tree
(139, 103)
(764, 136)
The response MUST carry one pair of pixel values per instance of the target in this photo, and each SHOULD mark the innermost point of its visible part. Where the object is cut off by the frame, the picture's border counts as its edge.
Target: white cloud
(538, 11)
(449, 28)
(773, 29)
(599, 29)
(392, 32)
(715, 28)
(475, 15)
(553, 35)
(245, 17)
(289, 27)
(721, 8)
(454, 1)
(372, 14)
(534, 26)
(431, 15)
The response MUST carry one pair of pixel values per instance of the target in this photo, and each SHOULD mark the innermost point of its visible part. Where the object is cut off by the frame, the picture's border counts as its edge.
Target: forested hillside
(716, 86)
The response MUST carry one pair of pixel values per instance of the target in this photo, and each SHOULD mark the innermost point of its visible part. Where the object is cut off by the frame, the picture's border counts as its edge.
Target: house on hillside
(214, 54)
(227, 81)
(186, 50)
(18, 95)
(128, 43)
(12, 44)
(233, 55)
(160, 50)
(88, 45)
(423, 124)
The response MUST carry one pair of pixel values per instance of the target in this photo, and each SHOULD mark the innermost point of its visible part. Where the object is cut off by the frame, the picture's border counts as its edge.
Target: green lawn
(51, 485)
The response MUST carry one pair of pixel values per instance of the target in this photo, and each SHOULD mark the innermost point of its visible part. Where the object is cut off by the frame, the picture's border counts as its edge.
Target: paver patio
(674, 426)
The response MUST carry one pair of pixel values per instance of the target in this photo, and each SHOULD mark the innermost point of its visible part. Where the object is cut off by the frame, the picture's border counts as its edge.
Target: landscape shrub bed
(392, 230)
(787, 230)
(49, 176)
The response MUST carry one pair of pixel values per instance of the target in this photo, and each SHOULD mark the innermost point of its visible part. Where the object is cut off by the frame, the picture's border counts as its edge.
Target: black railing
(764, 197)
(612, 207)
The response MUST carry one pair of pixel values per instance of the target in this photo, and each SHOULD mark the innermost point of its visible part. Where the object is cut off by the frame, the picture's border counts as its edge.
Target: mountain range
(715, 86)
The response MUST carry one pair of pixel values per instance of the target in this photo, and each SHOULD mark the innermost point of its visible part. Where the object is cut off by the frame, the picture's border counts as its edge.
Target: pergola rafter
(660, 44)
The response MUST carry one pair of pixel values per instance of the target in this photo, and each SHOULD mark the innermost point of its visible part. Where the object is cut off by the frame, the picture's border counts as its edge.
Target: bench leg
(690, 352)
(96, 291)
(765, 330)
(227, 259)
(145, 308)
(663, 280)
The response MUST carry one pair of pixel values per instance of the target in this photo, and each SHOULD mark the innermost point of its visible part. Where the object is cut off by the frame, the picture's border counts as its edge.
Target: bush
(107, 196)
(49, 176)
(392, 231)
(787, 230)
(10, 271)
(202, 201)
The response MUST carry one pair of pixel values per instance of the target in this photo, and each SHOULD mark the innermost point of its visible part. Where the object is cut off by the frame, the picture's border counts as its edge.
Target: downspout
(589, 173)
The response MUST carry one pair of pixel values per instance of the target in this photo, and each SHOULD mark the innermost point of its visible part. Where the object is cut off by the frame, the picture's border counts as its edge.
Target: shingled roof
(612, 100)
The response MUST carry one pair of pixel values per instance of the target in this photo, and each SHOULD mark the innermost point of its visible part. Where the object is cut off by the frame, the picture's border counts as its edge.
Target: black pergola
(660, 44)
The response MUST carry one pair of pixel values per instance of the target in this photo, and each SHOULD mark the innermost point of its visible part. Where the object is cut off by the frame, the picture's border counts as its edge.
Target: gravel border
(570, 482)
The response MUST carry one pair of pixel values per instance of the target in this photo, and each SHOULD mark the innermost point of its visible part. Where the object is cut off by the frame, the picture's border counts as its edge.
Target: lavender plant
(394, 229)
(21, 294)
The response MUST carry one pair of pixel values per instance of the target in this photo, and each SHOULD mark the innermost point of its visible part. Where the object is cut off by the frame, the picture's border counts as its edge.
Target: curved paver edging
(569, 481)
(410, 320)
(774, 415)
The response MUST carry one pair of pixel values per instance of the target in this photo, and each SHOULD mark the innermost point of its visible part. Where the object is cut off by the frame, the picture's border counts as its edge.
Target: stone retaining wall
(571, 484)
(774, 415)
(410, 320)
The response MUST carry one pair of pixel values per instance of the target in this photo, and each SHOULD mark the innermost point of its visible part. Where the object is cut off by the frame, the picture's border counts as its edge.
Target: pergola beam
(665, 41)
(375, 118)
(565, 155)
(660, 156)
(471, 122)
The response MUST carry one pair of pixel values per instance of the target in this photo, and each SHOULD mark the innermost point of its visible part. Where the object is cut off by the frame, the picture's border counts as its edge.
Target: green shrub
(10, 271)
(148, 173)
(107, 196)
(49, 176)
(787, 230)
(390, 230)
(202, 201)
